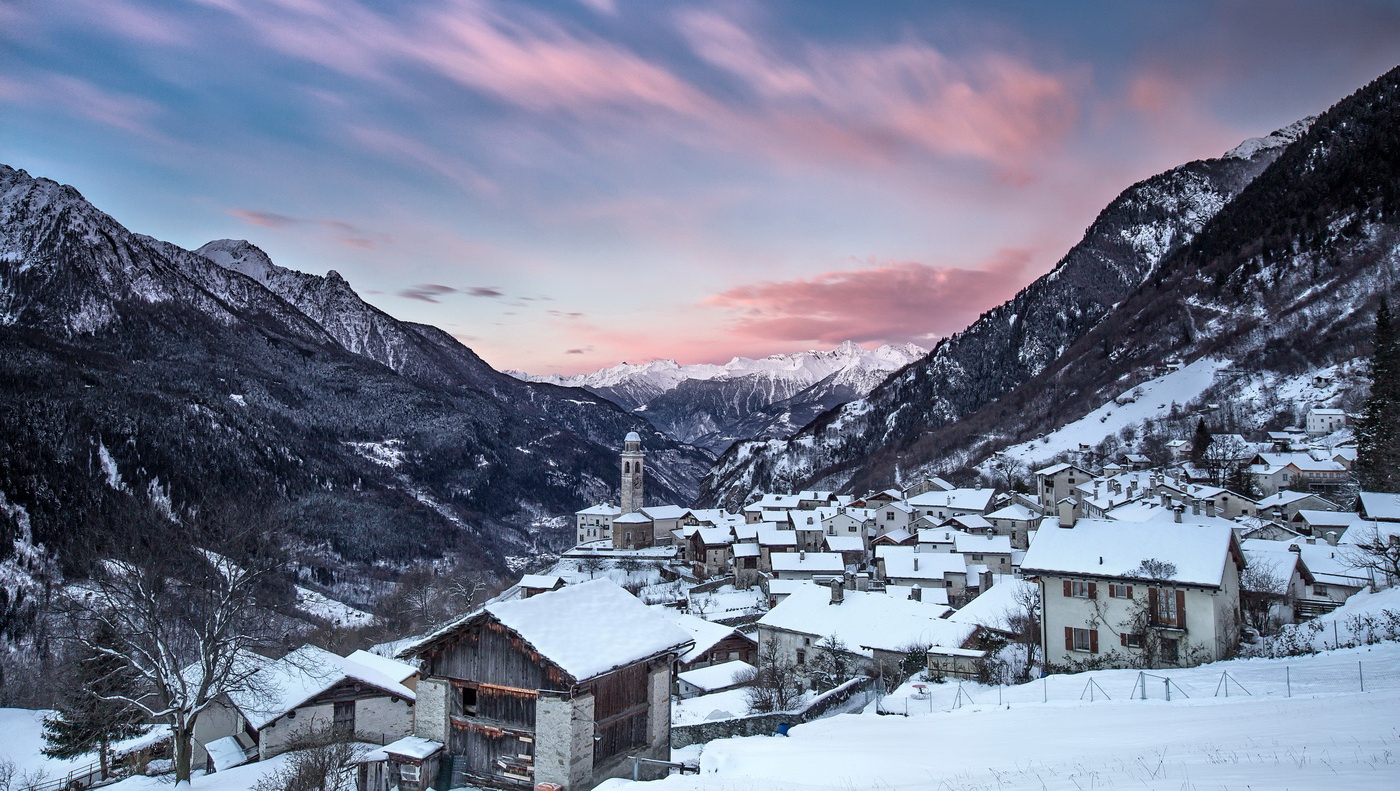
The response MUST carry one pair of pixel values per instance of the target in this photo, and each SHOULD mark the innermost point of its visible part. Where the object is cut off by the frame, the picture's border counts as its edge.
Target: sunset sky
(567, 185)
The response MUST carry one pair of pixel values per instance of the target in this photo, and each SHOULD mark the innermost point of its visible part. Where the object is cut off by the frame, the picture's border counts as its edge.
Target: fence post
(1360, 675)
(1166, 682)
(1288, 680)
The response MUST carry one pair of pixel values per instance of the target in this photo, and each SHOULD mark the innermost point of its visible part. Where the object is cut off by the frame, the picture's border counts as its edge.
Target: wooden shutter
(1153, 616)
(1123, 638)
(1068, 592)
(1130, 591)
(1069, 638)
(1093, 641)
(1181, 608)
(1093, 590)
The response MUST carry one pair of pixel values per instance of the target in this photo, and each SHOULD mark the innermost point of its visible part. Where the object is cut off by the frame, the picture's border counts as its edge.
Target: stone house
(309, 691)
(595, 523)
(559, 688)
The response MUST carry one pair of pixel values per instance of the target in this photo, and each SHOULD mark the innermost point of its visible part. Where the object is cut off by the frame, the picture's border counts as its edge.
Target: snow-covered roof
(721, 676)
(282, 685)
(1285, 497)
(664, 511)
(993, 606)
(746, 550)
(415, 747)
(898, 535)
(929, 595)
(805, 520)
(961, 499)
(540, 581)
(602, 509)
(705, 633)
(391, 668)
(865, 620)
(226, 753)
(715, 536)
(900, 563)
(774, 536)
(1053, 469)
(1341, 519)
(1274, 558)
(971, 521)
(938, 535)
(988, 544)
(1013, 511)
(808, 561)
(632, 436)
(634, 518)
(1104, 548)
(1384, 506)
(585, 629)
(845, 543)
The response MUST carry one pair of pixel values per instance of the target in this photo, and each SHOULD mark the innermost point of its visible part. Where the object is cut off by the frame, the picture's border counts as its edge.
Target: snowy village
(608, 395)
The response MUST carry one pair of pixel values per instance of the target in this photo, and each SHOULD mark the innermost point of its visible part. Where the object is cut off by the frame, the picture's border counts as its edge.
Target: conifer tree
(1378, 430)
(1200, 442)
(89, 719)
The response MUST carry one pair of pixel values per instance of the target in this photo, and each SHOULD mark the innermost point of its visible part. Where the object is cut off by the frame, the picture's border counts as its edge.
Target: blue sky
(565, 185)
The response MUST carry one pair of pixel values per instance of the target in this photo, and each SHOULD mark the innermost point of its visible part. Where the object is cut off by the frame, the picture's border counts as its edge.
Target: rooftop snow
(865, 620)
(725, 674)
(1103, 548)
(585, 629)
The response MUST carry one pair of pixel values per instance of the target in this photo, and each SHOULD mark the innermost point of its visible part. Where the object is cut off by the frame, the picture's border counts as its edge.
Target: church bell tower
(632, 473)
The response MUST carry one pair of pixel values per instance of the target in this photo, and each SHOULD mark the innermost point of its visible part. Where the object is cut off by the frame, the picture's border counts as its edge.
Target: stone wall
(430, 710)
(762, 724)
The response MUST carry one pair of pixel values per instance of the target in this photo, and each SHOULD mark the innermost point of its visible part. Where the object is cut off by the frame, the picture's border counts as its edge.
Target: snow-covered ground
(1152, 399)
(323, 606)
(1299, 722)
(22, 737)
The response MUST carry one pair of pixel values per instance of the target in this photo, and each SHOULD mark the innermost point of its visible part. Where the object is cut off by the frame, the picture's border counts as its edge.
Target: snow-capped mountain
(714, 405)
(1272, 257)
(138, 376)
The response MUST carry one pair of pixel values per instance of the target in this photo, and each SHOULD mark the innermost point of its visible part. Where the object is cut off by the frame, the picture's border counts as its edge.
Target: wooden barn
(563, 687)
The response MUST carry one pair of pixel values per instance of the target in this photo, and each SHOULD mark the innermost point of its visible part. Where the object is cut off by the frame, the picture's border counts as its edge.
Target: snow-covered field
(1300, 722)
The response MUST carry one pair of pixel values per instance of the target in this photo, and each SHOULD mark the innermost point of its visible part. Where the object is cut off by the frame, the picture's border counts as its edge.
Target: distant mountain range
(715, 405)
(137, 375)
(1273, 256)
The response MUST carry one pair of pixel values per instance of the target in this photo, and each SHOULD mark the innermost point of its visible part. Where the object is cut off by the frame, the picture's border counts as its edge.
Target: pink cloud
(872, 102)
(83, 99)
(892, 302)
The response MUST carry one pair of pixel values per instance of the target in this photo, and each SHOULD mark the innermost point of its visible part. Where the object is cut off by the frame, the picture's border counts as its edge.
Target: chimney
(1177, 511)
(1067, 513)
(1195, 507)
(838, 593)
(985, 580)
(801, 554)
(1166, 500)
(916, 593)
(916, 563)
(1210, 507)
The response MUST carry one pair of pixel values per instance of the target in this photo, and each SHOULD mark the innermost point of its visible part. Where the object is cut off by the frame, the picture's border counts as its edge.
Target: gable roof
(586, 629)
(865, 620)
(1384, 506)
(1103, 548)
(284, 684)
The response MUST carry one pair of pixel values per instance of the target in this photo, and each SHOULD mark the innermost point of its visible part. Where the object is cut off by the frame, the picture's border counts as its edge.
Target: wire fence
(1248, 679)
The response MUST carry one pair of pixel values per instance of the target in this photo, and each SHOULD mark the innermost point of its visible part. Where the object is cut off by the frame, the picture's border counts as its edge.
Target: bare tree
(1262, 589)
(832, 663)
(1023, 621)
(319, 761)
(1377, 552)
(591, 564)
(180, 620)
(774, 685)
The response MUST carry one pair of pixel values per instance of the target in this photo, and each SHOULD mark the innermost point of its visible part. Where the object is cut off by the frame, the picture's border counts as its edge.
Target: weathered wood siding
(620, 712)
(489, 653)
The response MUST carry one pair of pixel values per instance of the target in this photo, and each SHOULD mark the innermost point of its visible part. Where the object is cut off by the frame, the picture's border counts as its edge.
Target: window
(410, 773)
(1166, 606)
(1319, 590)
(468, 700)
(1079, 589)
(889, 515)
(343, 720)
(1085, 640)
(1120, 591)
(976, 557)
(1170, 651)
(801, 657)
(1130, 640)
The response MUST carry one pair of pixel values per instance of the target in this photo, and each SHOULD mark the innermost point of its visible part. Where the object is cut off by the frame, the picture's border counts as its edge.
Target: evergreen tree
(88, 719)
(1378, 430)
(1200, 442)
